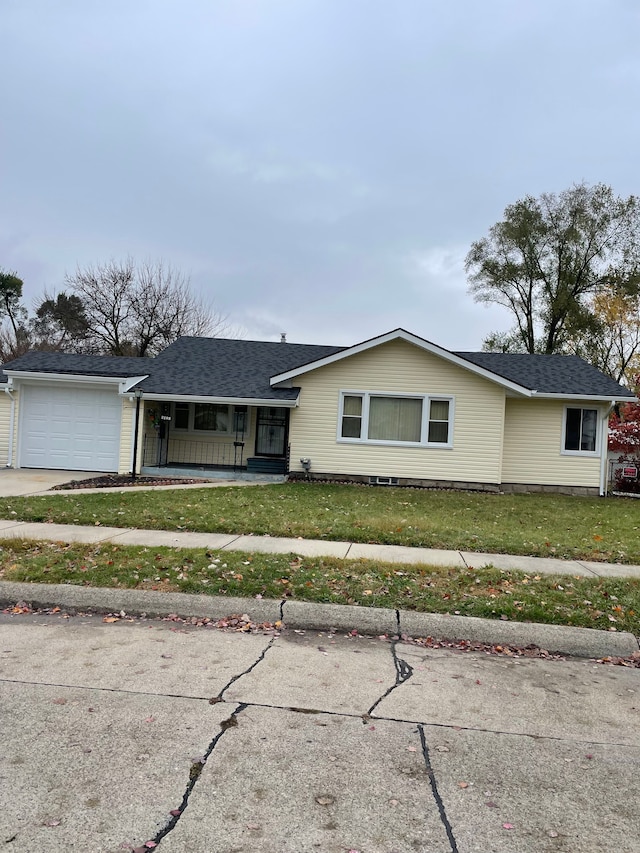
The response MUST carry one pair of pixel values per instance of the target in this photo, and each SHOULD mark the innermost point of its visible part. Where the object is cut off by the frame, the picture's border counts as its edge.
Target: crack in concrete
(195, 771)
(436, 793)
(235, 678)
(404, 671)
(197, 767)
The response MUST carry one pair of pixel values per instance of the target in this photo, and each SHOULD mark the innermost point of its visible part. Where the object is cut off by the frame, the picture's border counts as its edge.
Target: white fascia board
(234, 401)
(401, 334)
(26, 375)
(592, 398)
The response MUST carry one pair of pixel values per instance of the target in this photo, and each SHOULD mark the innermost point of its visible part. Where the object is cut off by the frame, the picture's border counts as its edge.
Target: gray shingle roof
(549, 374)
(84, 365)
(221, 367)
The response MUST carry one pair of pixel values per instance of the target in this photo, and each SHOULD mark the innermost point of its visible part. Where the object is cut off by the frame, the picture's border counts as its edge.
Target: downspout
(605, 450)
(12, 418)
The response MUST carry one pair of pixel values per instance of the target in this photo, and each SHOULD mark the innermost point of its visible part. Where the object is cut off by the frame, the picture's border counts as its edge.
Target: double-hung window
(375, 418)
(580, 430)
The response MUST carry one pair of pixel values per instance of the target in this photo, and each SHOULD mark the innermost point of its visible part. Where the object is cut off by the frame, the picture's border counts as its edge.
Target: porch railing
(174, 451)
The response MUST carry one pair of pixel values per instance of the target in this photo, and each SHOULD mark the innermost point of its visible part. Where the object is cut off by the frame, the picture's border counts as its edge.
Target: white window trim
(424, 426)
(593, 454)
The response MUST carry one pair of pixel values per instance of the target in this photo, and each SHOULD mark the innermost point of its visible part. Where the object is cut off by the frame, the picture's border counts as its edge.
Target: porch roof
(228, 369)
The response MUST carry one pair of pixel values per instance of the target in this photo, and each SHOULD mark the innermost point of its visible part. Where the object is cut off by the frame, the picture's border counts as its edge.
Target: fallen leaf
(175, 812)
(412, 749)
(111, 619)
(59, 701)
(508, 826)
(150, 720)
(463, 784)
(53, 821)
(491, 805)
(325, 800)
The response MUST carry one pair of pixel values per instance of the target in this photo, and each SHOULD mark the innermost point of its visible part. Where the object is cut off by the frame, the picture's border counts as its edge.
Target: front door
(271, 431)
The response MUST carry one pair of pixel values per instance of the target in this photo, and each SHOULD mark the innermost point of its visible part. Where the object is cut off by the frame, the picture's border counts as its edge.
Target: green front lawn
(538, 525)
(586, 602)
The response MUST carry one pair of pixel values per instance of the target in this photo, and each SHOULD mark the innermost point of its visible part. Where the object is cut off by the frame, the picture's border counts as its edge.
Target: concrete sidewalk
(581, 642)
(311, 548)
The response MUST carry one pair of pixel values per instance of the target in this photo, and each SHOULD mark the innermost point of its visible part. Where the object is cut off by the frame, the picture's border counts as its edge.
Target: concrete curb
(578, 642)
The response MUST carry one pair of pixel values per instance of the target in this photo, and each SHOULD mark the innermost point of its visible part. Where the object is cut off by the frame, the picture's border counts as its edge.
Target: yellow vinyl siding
(400, 367)
(533, 443)
(5, 424)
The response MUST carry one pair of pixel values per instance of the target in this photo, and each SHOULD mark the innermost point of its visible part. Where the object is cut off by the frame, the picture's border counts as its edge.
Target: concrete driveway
(121, 733)
(32, 481)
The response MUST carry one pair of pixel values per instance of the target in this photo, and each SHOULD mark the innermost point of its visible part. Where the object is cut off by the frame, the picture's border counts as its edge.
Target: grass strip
(604, 603)
(536, 525)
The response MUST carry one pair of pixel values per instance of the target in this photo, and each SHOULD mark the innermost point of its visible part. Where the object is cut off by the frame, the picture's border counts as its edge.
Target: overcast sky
(318, 167)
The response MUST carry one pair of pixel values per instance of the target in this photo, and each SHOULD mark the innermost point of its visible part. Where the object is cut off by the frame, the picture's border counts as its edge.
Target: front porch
(210, 473)
(215, 439)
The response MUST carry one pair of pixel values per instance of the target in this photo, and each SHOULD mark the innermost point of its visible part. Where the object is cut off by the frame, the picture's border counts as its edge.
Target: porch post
(138, 393)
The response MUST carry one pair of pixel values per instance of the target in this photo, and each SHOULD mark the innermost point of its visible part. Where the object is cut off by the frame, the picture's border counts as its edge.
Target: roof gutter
(74, 377)
(234, 401)
(596, 398)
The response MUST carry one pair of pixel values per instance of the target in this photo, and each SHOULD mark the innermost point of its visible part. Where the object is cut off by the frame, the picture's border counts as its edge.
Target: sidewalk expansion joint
(104, 689)
(436, 794)
(404, 671)
(228, 544)
(195, 771)
(591, 572)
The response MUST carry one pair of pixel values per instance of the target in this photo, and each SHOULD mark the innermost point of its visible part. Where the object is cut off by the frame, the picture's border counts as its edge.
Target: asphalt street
(314, 743)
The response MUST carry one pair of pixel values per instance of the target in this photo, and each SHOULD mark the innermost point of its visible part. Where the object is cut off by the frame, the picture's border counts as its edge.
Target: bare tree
(138, 309)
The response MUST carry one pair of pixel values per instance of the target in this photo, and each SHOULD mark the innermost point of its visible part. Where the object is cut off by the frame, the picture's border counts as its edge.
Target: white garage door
(70, 428)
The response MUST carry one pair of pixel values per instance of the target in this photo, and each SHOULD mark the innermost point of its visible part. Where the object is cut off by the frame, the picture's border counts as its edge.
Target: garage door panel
(75, 429)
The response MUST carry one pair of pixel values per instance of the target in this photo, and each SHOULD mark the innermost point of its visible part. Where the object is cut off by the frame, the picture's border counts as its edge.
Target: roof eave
(75, 377)
(595, 398)
(234, 401)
